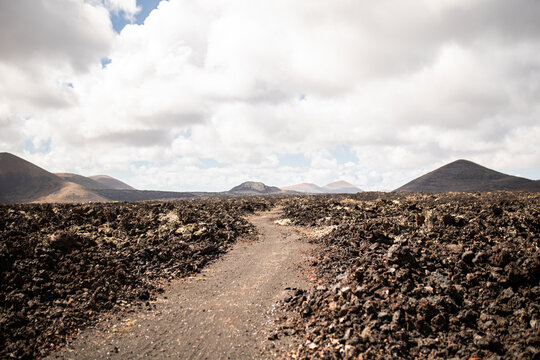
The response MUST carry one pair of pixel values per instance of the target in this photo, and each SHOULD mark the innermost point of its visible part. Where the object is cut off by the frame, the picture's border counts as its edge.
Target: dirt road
(226, 312)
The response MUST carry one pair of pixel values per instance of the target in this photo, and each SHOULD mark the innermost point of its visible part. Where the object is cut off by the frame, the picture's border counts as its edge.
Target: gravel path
(226, 312)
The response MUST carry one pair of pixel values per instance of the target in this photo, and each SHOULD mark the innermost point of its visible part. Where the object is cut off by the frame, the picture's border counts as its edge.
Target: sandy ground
(226, 312)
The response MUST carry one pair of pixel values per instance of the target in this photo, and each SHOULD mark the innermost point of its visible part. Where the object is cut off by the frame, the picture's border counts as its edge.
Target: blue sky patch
(105, 62)
(119, 20)
(343, 154)
(532, 173)
(207, 163)
(183, 133)
(293, 160)
(43, 148)
(139, 164)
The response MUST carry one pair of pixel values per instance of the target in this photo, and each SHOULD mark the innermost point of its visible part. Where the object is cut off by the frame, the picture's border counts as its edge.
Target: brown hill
(22, 181)
(308, 188)
(111, 183)
(254, 188)
(341, 187)
(466, 176)
(84, 181)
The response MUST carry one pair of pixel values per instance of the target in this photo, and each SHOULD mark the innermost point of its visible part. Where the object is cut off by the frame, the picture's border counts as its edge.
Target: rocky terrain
(427, 276)
(449, 276)
(63, 266)
(227, 311)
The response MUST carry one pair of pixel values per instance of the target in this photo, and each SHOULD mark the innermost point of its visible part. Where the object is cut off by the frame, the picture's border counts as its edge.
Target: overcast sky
(205, 94)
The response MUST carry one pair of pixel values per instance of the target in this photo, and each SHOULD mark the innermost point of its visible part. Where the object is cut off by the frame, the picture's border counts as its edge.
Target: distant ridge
(254, 188)
(111, 183)
(306, 188)
(336, 187)
(82, 180)
(467, 176)
(341, 187)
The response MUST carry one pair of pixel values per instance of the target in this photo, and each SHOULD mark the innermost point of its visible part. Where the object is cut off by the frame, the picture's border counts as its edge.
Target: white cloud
(406, 85)
(44, 46)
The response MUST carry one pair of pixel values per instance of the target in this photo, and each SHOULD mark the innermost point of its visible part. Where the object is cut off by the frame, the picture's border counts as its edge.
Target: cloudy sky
(205, 94)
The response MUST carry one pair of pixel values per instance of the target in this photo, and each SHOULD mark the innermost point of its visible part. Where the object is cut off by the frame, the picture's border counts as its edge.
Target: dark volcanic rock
(461, 283)
(63, 265)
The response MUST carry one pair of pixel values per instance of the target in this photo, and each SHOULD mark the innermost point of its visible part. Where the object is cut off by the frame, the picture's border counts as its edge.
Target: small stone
(507, 294)
(448, 220)
(366, 333)
(467, 257)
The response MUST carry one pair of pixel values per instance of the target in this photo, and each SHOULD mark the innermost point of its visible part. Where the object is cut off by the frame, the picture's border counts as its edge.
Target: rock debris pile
(63, 265)
(446, 276)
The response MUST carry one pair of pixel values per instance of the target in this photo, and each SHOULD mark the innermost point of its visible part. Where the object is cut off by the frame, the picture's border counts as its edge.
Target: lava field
(62, 266)
(425, 276)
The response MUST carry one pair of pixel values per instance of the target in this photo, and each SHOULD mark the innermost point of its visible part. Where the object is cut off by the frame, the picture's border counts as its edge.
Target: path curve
(226, 312)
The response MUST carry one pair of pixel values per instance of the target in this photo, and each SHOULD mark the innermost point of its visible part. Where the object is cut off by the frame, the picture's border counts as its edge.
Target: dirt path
(226, 312)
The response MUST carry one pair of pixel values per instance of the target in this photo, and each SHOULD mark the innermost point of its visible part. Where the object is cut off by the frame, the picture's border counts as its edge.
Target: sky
(203, 94)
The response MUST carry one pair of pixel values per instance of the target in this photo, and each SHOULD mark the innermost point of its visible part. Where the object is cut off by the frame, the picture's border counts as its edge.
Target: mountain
(308, 188)
(22, 181)
(336, 187)
(111, 183)
(466, 176)
(84, 181)
(341, 187)
(254, 188)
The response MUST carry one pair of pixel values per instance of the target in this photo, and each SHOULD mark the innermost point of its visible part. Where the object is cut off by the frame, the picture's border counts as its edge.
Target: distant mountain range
(466, 176)
(23, 182)
(337, 187)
